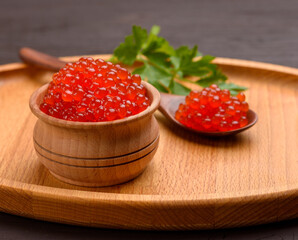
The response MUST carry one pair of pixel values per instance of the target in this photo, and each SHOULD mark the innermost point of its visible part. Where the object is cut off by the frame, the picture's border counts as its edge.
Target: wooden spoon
(168, 105)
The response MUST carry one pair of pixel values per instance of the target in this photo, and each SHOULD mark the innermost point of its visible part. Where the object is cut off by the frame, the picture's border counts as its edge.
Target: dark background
(257, 30)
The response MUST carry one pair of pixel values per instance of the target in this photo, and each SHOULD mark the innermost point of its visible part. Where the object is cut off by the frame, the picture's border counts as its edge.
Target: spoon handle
(39, 59)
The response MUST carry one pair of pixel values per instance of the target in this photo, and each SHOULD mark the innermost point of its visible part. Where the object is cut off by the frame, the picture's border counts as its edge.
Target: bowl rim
(35, 100)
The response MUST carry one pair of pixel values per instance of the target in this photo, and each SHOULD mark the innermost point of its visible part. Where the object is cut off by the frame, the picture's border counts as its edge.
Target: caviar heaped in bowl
(213, 110)
(94, 91)
(87, 149)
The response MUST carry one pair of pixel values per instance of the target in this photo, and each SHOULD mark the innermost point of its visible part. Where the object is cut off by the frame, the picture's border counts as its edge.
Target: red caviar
(213, 109)
(93, 91)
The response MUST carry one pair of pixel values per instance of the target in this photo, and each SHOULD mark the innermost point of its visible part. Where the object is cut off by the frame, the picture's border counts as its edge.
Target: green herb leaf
(234, 89)
(179, 89)
(157, 44)
(140, 36)
(163, 65)
(159, 59)
(200, 68)
(127, 52)
(175, 61)
(156, 76)
(155, 30)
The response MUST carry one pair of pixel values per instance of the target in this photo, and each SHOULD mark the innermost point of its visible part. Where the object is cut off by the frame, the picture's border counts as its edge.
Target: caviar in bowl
(94, 91)
(96, 153)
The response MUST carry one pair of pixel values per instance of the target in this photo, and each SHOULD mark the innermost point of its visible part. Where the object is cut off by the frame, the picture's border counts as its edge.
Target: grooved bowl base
(101, 176)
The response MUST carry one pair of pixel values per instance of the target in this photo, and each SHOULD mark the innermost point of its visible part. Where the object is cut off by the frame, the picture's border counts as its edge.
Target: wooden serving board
(192, 183)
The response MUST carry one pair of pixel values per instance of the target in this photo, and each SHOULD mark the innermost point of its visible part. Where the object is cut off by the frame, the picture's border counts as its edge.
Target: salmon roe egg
(213, 110)
(93, 91)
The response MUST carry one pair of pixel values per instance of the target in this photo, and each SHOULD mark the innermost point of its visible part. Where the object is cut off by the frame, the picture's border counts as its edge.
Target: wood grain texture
(192, 183)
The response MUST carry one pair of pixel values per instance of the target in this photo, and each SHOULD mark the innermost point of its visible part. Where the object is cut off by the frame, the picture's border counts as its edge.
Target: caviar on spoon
(213, 110)
(173, 107)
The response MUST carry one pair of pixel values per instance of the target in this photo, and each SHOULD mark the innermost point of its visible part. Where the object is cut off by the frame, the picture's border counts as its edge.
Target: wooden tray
(192, 183)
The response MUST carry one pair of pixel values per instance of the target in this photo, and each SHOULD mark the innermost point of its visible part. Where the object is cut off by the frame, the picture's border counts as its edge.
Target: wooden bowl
(96, 153)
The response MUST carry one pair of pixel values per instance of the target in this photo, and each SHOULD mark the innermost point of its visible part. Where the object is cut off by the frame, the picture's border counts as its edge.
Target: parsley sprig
(165, 67)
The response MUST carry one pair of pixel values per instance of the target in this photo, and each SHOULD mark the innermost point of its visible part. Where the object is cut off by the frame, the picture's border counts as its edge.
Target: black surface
(256, 30)
(13, 227)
